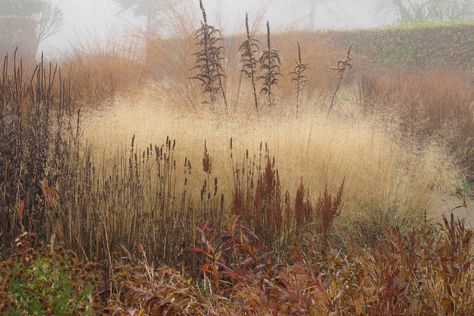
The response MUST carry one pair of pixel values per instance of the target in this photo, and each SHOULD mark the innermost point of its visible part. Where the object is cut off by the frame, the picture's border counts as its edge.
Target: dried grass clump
(429, 104)
(100, 72)
(384, 171)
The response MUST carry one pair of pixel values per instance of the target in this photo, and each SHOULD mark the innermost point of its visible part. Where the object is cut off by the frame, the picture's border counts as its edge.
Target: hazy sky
(96, 18)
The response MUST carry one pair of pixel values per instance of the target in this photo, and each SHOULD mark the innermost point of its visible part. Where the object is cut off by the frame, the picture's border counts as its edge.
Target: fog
(95, 19)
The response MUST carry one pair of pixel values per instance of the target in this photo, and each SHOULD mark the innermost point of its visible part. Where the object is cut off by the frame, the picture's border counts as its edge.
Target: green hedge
(410, 46)
(416, 47)
(18, 32)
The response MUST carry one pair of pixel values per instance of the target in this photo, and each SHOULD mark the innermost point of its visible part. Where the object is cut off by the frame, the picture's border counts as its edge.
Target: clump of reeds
(270, 70)
(39, 133)
(249, 59)
(298, 76)
(102, 70)
(210, 59)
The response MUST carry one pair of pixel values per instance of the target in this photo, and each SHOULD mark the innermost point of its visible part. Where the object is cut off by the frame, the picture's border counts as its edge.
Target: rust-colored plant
(303, 207)
(328, 208)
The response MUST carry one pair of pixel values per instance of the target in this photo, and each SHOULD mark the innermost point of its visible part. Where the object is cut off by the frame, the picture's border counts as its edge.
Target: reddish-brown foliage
(328, 208)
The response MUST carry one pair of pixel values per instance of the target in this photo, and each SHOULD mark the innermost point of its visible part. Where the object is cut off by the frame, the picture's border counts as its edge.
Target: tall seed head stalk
(210, 59)
(270, 70)
(341, 68)
(248, 58)
(298, 75)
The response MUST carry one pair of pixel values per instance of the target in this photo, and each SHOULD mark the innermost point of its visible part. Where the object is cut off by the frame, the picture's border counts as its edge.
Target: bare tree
(50, 20)
(154, 10)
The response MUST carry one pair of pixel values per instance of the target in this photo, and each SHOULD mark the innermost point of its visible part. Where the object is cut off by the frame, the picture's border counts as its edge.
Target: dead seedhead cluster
(260, 64)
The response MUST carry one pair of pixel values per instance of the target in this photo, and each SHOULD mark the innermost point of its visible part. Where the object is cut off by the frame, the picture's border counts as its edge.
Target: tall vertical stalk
(298, 75)
(210, 59)
(270, 70)
(248, 58)
(341, 68)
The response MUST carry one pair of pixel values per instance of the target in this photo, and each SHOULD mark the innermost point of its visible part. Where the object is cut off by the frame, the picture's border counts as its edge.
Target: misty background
(96, 19)
(63, 24)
